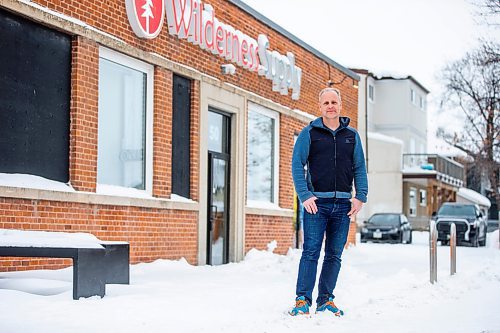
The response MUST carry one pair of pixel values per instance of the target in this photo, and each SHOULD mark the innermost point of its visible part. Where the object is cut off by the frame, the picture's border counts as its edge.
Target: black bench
(93, 268)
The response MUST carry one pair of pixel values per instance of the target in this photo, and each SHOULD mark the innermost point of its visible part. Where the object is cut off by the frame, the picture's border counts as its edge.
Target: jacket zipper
(335, 163)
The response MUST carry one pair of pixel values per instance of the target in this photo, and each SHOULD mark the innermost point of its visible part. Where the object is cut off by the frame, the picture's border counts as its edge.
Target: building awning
(473, 196)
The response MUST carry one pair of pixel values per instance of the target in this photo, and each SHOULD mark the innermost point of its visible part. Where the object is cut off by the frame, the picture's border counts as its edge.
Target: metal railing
(448, 170)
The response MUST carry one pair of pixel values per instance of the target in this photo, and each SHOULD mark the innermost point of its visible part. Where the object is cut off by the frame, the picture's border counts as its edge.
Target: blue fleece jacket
(325, 162)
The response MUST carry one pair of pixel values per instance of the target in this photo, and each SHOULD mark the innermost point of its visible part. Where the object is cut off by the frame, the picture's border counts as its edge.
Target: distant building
(383, 154)
(400, 110)
(392, 120)
(429, 180)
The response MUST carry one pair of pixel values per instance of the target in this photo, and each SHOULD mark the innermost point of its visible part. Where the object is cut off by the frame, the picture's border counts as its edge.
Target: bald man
(327, 159)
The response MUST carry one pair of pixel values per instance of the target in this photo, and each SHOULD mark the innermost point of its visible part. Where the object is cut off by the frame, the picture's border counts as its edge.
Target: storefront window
(124, 111)
(263, 152)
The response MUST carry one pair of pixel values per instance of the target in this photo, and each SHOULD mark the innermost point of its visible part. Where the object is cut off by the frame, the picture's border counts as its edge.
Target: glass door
(218, 189)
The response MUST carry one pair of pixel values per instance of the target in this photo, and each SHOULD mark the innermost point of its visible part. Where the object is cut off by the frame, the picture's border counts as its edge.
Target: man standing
(327, 157)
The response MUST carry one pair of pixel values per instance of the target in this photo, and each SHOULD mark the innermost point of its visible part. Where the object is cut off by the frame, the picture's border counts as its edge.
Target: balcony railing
(448, 170)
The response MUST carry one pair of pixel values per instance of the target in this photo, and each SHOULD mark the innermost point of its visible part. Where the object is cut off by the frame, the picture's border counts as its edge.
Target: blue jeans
(330, 220)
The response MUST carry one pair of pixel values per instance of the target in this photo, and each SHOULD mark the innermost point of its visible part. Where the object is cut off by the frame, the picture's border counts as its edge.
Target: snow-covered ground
(382, 288)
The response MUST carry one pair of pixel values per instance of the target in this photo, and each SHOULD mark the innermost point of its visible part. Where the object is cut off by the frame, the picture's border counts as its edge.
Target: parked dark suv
(470, 224)
(387, 227)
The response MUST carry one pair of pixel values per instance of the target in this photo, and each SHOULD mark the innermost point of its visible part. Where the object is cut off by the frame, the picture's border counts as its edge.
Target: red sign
(146, 16)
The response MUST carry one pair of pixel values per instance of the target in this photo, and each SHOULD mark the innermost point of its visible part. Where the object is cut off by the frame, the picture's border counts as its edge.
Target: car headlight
(394, 230)
(364, 230)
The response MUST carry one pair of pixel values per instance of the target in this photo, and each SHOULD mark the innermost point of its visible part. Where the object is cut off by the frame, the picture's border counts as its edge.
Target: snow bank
(381, 287)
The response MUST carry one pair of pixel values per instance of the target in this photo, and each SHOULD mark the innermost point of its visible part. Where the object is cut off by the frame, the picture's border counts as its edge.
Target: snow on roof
(417, 169)
(385, 138)
(473, 196)
(394, 75)
(397, 75)
(30, 238)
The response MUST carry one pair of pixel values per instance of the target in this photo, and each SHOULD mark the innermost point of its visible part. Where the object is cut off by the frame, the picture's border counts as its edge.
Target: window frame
(148, 69)
(422, 199)
(275, 115)
(413, 96)
(372, 97)
(412, 209)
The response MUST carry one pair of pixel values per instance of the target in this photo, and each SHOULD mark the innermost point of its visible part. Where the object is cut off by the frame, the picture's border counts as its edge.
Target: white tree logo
(148, 12)
(146, 16)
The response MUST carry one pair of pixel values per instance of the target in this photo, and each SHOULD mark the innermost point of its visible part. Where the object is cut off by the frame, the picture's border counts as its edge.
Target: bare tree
(489, 12)
(492, 6)
(473, 85)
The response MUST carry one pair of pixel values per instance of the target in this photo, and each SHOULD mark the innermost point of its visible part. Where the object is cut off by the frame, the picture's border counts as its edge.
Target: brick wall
(83, 114)
(260, 230)
(111, 17)
(152, 233)
(195, 139)
(162, 135)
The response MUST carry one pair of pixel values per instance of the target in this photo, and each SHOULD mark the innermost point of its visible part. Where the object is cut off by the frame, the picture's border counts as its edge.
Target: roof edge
(240, 4)
(409, 77)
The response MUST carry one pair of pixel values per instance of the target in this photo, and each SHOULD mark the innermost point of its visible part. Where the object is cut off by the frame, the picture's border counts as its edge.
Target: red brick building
(159, 143)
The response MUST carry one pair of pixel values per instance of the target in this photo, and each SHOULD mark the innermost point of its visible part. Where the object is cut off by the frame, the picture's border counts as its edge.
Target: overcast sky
(387, 36)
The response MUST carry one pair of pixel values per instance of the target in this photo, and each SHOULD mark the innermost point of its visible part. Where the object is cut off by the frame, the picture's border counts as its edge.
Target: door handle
(213, 212)
(213, 216)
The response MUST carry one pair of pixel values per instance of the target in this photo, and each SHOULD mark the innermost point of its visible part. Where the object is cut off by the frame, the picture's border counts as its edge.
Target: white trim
(371, 99)
(91, 198)
(148, 69)
(414, 189)
(276, 117)
(421, 102)
(424, 203)
(280, 212)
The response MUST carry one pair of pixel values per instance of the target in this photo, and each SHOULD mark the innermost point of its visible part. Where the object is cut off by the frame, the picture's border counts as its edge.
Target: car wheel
(475, 241)
(483, 242)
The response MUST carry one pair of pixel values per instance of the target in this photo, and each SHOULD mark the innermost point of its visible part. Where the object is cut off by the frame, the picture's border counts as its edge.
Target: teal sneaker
(301, 307)
(330, 306)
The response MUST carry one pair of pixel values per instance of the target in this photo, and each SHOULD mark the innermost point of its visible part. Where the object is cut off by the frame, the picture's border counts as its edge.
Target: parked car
(387, 227)
(471, 225)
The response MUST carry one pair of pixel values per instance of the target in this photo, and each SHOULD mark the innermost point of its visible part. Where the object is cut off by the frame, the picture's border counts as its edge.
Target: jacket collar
(318, 122)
